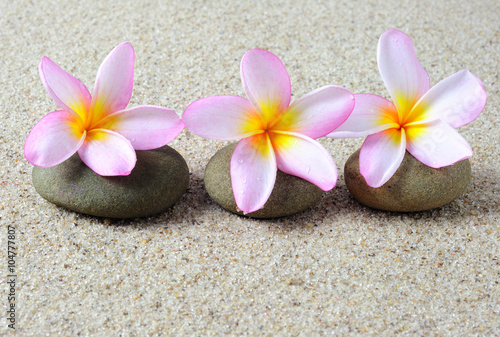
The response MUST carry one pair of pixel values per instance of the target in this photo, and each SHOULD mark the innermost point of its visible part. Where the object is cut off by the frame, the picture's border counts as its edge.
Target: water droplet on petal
(244, 181)
(241, 161)
(242, 191)
(259, 179)
(308, 169)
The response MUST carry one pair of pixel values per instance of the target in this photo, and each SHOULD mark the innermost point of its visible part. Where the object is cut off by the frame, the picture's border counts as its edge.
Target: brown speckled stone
(158, 180)
(414, 186)
(290, 194)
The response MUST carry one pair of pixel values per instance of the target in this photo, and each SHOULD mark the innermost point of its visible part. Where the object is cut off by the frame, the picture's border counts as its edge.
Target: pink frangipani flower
(421, 120)
(99, 127)
(274, 134)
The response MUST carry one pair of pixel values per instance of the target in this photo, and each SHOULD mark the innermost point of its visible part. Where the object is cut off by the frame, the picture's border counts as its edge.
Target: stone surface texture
(414, 186)
(290, 194)
(157, 182)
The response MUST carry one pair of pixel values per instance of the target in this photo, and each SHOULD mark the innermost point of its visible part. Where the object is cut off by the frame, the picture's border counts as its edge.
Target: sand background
(338, 268)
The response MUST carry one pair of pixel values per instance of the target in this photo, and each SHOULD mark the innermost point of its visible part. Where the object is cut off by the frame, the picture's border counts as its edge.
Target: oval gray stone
(414, 186)
(158, 180)
(290, 194)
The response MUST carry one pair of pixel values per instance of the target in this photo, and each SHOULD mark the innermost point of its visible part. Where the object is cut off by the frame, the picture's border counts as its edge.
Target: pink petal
(222, 117)
(266, 82)
(381, 155)
(253, 172)
(146, 127)
(107, 153)
(304, 157)
(403, 75)
(457, 100)
(67, 91)
(317, 113)
(54, 139)
(114, 81)
(371, 114)
(436, 144)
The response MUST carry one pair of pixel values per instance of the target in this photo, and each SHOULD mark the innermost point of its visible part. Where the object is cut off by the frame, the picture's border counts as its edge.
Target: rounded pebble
(290, 195)
(414, 186)
(156, 183)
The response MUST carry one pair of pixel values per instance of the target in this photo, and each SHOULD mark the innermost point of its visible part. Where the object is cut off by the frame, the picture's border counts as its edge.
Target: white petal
(381, 155)
(266, 82)
(436, 144)
(253, 172)
(55, 138)
(317, 113)
(222, 117)
(403, 75)
(114, 82)
(107, 153)
(304, 157)
(67, 91)
(145, 126)
(371, 114)
(457, 100)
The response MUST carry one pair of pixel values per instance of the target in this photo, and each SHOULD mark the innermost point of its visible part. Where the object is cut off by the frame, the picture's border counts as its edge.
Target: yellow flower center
(406, 116)
(90, 119)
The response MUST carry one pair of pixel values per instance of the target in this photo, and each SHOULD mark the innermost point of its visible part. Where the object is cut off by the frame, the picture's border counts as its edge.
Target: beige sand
(336, 269)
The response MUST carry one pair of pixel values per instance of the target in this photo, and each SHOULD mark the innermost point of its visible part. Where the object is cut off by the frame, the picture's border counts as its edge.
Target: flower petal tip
(265, 81)
(253, 172)
(221, 117)
(114, 81)
(52, 140)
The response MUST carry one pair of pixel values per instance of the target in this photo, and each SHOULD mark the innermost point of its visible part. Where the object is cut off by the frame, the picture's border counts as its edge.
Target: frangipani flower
(421, 120)
(274, 134)
(98, 127)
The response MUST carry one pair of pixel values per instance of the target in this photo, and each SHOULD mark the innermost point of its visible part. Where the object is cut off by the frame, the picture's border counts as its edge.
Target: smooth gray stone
(156, 183)
(414, 186)
(290, 194)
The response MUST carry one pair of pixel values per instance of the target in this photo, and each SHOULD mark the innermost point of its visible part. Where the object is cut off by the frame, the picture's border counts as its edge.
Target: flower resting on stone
(421, 120)
(274, 134)
(99, 127)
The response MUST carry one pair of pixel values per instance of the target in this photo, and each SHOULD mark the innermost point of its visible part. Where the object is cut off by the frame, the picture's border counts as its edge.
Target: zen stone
(290, 194)
(156, 183)
(414, 186)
